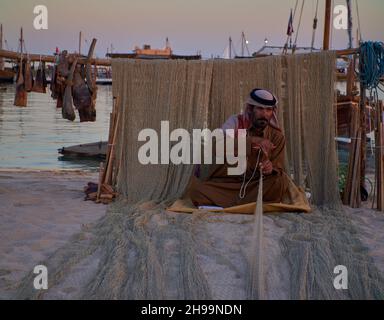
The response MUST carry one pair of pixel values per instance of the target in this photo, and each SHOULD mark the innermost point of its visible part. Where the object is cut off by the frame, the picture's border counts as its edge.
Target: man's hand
(266, 167)
(265, 145)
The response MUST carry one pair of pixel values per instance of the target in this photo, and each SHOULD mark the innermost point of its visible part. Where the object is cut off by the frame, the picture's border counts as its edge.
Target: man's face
(262, 116)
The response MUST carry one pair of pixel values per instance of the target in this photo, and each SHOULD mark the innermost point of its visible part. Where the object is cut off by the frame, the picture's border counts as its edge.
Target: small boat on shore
(87, 150)
(7, 75)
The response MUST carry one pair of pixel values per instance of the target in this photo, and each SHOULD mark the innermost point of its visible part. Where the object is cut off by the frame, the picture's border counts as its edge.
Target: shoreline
(50, 171)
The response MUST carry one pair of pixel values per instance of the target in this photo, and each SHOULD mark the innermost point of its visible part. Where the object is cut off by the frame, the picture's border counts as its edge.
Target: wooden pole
(327, 24)
(112, 119)
(101, 173)
(347, 52)
(351, 76)
(21, 40)
(380, 156)
(363, 151)
(350, 25)
(1, 47)
(112, 157)
(352, 188)
(80, 43)
(230, 48)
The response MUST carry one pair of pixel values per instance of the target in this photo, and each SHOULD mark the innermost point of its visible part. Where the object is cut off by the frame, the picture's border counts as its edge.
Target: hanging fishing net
(140, 250)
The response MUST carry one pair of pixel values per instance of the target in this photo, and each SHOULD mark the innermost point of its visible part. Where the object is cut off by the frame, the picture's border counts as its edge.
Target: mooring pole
(327, 24)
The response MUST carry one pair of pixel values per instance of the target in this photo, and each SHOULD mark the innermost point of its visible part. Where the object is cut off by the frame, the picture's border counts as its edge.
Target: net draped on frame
(141, 251)
(203, 94)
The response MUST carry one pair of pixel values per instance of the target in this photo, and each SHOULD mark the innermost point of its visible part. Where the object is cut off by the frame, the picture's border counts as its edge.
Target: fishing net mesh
(139, 250)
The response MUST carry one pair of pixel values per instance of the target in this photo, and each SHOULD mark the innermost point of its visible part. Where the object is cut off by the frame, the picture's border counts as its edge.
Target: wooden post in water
(327, 24)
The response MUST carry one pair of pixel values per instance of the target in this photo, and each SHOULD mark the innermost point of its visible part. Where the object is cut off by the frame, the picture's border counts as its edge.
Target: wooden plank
(101, 172)
(351, 195)
(50, 58)
(112, 155)
(347, 52)
(112, 121)
(327, 24)
(363, 126)
(351, 77)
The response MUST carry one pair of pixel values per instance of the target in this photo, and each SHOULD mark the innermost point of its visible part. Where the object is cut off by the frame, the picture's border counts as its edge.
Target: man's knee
(196, 193)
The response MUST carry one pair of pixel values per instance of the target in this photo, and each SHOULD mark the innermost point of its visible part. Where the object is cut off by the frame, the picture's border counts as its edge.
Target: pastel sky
(193, 25)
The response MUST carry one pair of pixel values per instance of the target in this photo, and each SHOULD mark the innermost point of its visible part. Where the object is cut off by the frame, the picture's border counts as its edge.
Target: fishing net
(139, 250)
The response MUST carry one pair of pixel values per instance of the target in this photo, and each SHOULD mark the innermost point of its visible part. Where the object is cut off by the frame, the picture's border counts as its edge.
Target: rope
(298, 26)
(257, 288)
(293, 19)
(314, 26)
(371, 64)
(244, 185)
(358, 19)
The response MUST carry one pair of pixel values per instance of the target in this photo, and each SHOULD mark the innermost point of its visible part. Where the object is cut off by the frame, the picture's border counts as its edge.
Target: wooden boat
(87, 150)
(7, 75)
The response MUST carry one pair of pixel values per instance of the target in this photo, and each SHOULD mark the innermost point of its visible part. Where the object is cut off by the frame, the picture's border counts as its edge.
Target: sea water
(31, 136)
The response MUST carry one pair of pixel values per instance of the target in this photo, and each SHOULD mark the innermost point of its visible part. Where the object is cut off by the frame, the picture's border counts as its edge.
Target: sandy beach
(42, 210)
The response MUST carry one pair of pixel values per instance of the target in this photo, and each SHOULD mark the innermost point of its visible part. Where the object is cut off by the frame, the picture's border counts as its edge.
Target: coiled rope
(371, 64)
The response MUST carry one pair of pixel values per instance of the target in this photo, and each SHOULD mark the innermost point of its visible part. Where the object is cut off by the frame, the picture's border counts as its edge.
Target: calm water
(30, 137)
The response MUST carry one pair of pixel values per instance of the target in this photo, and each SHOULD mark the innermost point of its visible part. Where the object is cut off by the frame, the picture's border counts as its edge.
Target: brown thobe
(222, 190)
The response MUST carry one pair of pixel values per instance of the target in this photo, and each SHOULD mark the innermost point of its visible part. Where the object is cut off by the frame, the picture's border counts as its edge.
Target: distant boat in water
(146, 52)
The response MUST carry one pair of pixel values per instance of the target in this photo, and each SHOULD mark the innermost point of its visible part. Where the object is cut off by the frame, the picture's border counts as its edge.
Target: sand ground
(41, 210)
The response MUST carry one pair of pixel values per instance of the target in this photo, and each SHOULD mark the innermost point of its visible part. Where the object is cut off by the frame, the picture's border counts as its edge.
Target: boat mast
(1, 47)
(350, 43)
(80, 43)
(327, 24)
(21, 40)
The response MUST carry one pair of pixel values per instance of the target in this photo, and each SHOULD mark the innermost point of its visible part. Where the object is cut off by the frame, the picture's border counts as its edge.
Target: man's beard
(260, 123)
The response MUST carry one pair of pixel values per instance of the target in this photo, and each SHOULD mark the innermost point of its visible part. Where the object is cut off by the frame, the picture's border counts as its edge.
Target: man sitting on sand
(265, 149)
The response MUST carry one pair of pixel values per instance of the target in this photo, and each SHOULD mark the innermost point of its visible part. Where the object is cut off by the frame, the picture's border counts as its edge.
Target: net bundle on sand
(139, 250)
